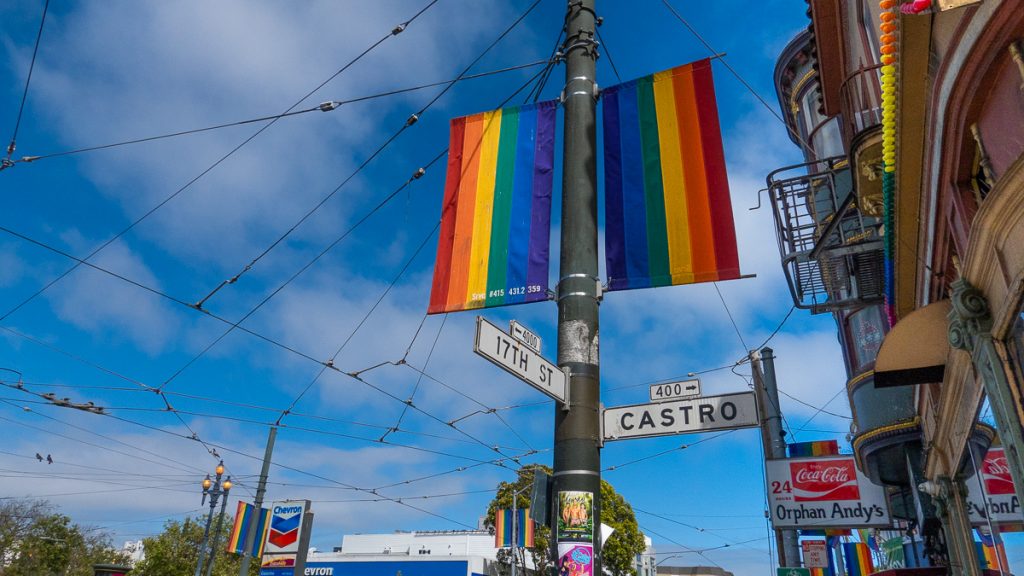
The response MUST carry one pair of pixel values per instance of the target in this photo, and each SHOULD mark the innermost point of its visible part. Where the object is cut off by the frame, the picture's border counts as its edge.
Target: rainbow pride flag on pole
(816, 448)
(858, 559)
(503, 528)
(668, 216)
(496, 217)
(240, 531)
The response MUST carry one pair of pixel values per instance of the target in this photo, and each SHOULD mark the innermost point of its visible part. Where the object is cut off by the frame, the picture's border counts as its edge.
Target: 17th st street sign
(502, 349)
(726, 412)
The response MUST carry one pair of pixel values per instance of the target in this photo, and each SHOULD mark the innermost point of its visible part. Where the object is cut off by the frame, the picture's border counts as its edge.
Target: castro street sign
(726, 412)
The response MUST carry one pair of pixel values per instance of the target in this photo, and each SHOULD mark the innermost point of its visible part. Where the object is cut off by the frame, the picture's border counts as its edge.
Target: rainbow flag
(496, 217)
(818, 448)
(240, 531)
(503, 528)
(668, 217)
(858, 559)
(993, 552)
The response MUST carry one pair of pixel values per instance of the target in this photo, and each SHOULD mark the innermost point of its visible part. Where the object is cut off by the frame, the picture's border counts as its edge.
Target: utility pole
(774, 440)
(577, 458)
(261, 490)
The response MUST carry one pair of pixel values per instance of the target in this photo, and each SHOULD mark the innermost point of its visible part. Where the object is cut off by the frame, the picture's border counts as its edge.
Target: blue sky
(123, 70)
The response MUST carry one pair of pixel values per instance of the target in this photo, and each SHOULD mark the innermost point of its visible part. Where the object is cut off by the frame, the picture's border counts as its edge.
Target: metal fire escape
(832, 254)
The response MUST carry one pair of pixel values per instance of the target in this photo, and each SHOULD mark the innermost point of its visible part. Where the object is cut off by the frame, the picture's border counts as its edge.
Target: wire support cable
(397, 30)
(738, 76)
(412, 120)
(327, 106)
(6, 162)
(270, 424)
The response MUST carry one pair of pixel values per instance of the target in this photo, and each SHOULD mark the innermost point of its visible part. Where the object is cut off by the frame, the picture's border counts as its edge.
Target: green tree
(619, 552)
(36, 541)
(174, 551)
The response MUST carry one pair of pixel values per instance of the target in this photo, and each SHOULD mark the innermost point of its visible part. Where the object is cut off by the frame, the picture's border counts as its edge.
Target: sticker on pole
(726, 412)
(825, 492)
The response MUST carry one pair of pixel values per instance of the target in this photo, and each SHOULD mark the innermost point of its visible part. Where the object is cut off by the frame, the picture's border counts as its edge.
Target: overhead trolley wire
(327, 106)
(6, 163)
(413, 119)
(268, 424)
(194, 437)
(397, 30)
(360, 324)
(683, 546)
(738, 76)
(135, 456)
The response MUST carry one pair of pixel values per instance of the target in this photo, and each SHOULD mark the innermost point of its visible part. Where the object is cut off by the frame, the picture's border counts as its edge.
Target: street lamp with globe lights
(214, 488)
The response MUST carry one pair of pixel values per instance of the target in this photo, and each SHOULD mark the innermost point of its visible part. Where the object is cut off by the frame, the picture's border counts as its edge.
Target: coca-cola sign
(996, 473)
(824, 480)
(998, 503)
(824, 492)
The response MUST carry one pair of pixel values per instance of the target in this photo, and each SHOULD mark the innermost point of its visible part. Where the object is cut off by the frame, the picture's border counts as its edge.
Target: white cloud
(99, 303)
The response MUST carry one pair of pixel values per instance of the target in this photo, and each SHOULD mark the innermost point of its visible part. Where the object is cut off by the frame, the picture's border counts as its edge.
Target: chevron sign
(285, 527)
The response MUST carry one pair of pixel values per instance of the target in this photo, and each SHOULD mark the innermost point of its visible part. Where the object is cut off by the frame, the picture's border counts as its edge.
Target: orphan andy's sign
(824, 492)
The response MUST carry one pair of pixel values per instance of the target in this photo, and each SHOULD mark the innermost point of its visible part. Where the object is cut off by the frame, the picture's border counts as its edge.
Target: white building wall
(458, 543)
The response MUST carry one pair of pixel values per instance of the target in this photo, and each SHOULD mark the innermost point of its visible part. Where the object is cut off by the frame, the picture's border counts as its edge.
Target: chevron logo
(285, 524)
(283, 539)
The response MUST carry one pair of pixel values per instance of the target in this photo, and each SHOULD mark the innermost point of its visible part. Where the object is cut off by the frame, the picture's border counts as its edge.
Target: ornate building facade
(907, 224)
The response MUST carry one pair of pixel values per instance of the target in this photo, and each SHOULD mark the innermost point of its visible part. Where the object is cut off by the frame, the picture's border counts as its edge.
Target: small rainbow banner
(818, 448)
(496, 217)
(503, 528)
(243, 515)
(858, 559)
(668, 217)
(993, 552)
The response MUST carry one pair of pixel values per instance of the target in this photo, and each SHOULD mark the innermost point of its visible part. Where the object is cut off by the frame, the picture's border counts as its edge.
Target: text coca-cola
(816, 481)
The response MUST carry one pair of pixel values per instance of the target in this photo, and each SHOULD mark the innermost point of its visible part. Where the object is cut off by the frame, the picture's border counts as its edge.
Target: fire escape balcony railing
(831, 254)
(860, 101)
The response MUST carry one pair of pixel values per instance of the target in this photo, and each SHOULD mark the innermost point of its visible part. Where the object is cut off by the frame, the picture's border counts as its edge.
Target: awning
(915, 350)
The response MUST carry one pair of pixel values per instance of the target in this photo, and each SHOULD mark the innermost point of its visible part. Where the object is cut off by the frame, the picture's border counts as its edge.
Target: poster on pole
(828, 492)
(575, 517)
(575, 559)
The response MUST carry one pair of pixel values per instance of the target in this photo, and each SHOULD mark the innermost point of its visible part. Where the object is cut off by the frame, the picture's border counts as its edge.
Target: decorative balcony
(860, 103)
(831, 252)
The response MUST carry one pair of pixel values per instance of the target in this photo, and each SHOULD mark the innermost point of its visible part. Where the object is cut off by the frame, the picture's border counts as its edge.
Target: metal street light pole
(214, 489)
(220, 524)
(516, 528)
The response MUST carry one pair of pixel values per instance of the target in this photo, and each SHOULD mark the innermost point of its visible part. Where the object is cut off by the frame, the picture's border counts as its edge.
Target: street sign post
(524, 335)
(726, 412)
(673, 390)
(515, 358)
